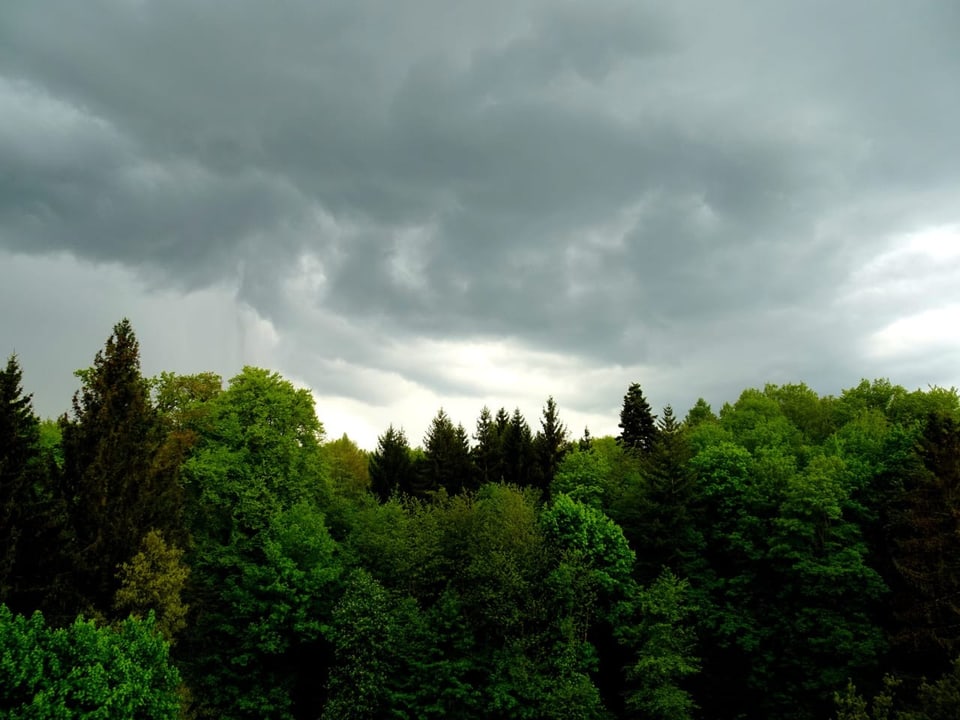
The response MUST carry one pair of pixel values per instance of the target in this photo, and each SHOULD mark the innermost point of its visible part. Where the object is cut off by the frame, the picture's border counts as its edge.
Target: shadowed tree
(519, 461)
(926, 550)
(391, 468)
(447, 461)
(638, 427)
(33, 532)
(115, 491)
(550, 444)
(488, 452)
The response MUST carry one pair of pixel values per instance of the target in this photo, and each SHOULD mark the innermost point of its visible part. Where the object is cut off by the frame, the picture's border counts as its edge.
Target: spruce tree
(19, 450)
(637, 422)
(550, 444)
(518, 453)
(447, 462)
(488, 452)
(391, 468)
(33, 539)
(115, 492)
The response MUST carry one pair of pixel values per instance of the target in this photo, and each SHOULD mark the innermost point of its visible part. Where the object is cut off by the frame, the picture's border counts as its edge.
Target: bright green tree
(264, 568)
(85, 672)
(348, 466)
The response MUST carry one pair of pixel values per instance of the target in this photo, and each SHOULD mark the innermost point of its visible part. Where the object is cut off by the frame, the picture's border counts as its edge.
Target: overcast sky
(408, 205)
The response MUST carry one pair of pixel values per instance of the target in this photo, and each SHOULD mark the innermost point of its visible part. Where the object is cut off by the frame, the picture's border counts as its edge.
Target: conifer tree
(926, 549)
(32, 522)
(550, 443)
(114, 492)
(447, 462)
(518, 453)
(19, 449)
(488, 452)
(391, 468)
(637, 422)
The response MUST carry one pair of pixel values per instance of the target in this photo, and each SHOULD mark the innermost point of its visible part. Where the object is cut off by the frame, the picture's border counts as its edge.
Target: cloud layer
(432, 202)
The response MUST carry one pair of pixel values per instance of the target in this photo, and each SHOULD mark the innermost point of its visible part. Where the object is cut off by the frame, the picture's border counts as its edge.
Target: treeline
(173, 547)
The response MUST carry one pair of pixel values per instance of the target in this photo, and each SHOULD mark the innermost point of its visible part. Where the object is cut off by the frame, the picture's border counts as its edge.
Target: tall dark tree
(664, 527)
(19, 452)
(638, 424)
(116, 492)
(586, 441)
(520, 467)
(550, 444)
(391, 468)
(926, 550)
(32, 522)
(447, 462)
(488, 452)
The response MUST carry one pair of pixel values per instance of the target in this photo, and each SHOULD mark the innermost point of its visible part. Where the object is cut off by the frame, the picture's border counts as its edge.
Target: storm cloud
(402, 204)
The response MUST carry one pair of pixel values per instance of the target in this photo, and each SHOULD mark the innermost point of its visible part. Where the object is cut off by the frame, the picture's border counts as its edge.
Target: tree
(519, 464)
(390, 466)
(488, 452)
(347, 466)
(655, 625)
(84, 671)
(550, 444)
(447, 457)
(114, 489)
(926, 548)
(699, 413)
(637, 422)
(33, 532)
(153, 581)
(663, 524)
(263, 566)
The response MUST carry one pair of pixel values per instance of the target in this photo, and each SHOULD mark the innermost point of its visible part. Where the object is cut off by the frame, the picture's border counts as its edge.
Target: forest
(183, 547)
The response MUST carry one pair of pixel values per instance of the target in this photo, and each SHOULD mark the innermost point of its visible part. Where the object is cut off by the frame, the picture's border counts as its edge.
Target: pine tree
(550, 444)
(926, 549)
(32, 522)
(586, 441)
(391, 468)
(518, 454)
(488, 452)
(447, 457)
(637, 422)
(665, 524)
(19, 449)
(115, 493)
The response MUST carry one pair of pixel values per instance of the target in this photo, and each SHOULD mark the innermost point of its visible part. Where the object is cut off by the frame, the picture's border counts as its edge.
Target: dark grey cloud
(678, 186)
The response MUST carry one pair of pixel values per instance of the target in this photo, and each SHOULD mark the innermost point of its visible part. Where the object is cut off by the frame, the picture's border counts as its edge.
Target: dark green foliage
(665, 520)
(85, 672)
(550, 444)
(926, 547)
(637, 422)
(447, 463)
(656, 625)
(488, 452)
(391, 467)
(519, 458)
(729, 567)
(115, 489)
(33, 528)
